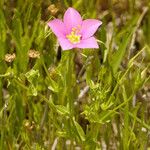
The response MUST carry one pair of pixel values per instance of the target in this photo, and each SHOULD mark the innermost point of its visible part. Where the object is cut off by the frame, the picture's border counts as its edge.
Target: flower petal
(72, 18)
(58, 27)
(89, 27)
(88, 43)
(65, 44)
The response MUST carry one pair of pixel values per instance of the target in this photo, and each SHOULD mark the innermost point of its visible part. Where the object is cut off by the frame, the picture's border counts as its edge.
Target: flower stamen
(74, 37)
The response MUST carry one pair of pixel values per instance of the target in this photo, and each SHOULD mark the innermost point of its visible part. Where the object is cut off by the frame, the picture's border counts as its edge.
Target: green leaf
(119, 54)
(32, 75)
(32, 90)
(62, 110)
(79, 130)
(126, 35)
(52, 85)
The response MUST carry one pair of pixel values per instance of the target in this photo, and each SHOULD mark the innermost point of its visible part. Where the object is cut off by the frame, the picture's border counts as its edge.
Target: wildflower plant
(94, 98)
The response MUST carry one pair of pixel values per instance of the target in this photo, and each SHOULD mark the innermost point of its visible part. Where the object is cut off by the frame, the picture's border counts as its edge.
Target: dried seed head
(29, 125)
(52, 72)
(10, 57)
(53, 9)
(33, 54)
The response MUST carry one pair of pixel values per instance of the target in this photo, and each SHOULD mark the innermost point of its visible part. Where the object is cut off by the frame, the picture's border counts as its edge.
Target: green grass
(86, 99)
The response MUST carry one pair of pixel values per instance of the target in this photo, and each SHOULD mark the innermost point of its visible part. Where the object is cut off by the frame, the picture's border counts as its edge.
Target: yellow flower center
(74, 37)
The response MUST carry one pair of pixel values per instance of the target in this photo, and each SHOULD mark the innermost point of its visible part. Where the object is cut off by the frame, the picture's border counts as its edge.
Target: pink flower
(73, 32)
